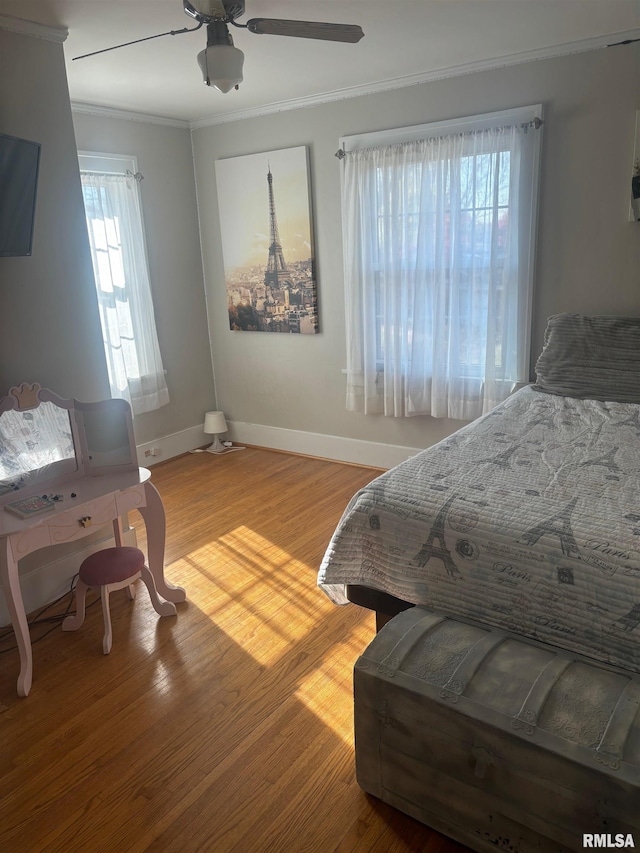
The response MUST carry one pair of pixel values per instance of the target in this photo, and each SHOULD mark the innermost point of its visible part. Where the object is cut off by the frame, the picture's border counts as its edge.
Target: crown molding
(552, 52)
(30, 28)
(126, 115)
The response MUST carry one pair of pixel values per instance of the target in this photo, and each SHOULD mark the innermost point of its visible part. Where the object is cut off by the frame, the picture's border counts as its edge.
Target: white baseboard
(335, 447)
(49, 581)
(172, 445)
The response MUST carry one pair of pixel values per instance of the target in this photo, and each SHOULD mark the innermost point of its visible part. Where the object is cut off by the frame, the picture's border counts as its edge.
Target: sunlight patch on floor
(328, 692)
(256, 592)
(267, 601)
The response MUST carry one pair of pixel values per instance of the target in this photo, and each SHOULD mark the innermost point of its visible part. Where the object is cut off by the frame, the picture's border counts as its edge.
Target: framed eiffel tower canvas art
(264, 202)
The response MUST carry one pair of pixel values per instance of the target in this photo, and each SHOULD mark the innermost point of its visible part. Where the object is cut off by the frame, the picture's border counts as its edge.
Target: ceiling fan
(221, 62)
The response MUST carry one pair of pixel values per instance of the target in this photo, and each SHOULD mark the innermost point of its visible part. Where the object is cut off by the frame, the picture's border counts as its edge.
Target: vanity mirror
(36, 445)
(45, 439)
(106, 436)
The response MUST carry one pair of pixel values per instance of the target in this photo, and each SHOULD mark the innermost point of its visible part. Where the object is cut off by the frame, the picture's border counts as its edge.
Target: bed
(527, 519)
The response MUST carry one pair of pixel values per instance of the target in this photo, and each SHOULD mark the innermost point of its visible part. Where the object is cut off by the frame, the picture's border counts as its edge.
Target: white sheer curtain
(114, 223)
(437, 275)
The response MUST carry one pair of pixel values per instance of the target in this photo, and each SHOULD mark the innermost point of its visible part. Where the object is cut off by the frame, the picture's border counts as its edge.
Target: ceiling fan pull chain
(137, 41)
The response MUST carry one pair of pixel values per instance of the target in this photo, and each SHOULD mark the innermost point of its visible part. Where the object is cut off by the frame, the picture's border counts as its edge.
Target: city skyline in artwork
(267, 246)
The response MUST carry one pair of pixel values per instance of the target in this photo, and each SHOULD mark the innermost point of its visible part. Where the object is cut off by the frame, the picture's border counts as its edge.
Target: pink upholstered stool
(112, 569)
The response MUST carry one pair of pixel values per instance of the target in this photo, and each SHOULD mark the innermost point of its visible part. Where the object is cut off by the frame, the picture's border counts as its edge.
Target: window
(116, 237)
(438, 225)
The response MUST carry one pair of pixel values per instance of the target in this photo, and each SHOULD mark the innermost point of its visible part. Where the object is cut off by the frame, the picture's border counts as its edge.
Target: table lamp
(215, 424)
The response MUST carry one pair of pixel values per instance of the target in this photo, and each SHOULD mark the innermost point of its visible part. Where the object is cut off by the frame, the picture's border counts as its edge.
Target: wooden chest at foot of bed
(499, 743)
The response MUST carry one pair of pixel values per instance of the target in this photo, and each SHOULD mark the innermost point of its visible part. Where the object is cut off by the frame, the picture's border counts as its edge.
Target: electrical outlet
(148, 453)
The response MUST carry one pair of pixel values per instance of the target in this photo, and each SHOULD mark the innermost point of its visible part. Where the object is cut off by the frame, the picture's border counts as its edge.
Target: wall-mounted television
(19, 163)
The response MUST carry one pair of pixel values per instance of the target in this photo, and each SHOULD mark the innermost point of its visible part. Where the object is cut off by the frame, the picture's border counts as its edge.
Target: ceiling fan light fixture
(221, 66)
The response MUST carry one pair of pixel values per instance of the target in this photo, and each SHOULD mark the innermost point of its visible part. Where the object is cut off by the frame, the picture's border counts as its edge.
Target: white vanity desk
(64, 447)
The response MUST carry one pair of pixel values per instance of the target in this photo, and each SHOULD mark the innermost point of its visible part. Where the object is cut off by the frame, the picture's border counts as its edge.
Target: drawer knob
(85, 521)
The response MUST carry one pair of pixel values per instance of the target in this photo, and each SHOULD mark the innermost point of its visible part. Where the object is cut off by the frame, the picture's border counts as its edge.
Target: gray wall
(588, 252)
(50, 328)
(170, 216)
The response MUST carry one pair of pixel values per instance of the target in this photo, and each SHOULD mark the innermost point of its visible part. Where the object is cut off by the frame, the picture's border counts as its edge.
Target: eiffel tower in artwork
(277, 274)
(439, 550)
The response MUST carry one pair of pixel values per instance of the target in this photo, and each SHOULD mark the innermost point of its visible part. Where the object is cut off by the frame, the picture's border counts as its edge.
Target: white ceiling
(405, 41)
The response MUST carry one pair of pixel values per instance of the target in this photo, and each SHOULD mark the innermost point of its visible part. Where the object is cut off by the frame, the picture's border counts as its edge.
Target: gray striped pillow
(595, 358)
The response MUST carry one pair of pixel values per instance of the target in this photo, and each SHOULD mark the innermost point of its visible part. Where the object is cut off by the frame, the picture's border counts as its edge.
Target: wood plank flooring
(226, 728)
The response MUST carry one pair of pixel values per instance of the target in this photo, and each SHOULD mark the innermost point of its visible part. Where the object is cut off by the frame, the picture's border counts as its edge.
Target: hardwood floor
(226, 728)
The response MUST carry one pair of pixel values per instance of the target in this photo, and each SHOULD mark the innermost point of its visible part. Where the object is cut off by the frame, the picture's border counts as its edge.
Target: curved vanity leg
(15, 606)
(73, 622)
(164, 608)
(154, 520)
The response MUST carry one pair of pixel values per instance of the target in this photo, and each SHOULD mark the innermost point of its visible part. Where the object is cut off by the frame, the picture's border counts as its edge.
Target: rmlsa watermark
(601, 839)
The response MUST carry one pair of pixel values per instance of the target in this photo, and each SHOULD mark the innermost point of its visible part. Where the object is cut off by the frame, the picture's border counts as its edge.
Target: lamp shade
(221, 66)
(214, 423)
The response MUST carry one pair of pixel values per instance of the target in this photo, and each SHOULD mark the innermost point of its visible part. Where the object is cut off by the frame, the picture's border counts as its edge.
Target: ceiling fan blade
(137, 41)
(306, 29)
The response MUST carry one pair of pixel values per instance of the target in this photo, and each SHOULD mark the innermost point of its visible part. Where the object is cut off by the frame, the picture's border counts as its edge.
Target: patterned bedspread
(527, 519)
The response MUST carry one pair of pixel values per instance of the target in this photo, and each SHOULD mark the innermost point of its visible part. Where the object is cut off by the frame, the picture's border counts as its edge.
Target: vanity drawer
(64, 526)
(69, 525)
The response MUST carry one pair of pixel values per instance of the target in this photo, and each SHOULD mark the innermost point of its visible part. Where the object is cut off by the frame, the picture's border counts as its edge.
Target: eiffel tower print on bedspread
(527, 519)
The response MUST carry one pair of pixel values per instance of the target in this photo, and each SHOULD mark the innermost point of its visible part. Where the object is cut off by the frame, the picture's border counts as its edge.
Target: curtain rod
(535, 123)
(137, 176)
